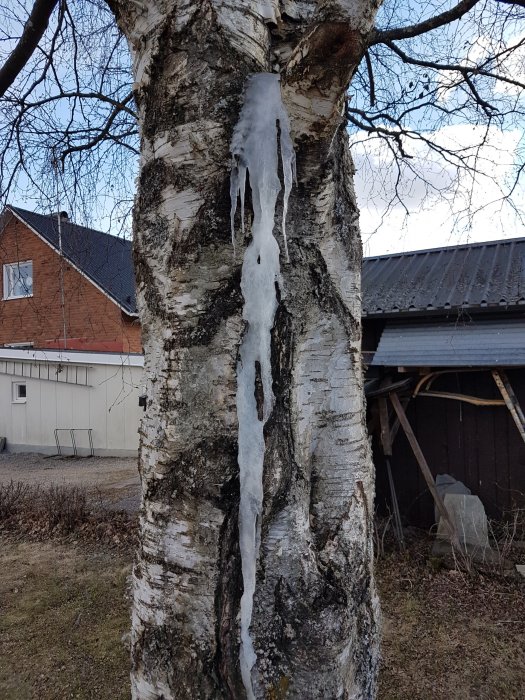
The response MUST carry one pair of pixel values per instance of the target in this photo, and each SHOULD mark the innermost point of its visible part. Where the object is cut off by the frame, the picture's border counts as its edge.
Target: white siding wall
(108, 405)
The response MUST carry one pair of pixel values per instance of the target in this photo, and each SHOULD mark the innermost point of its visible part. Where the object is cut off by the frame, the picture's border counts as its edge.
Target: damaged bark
(315, 615)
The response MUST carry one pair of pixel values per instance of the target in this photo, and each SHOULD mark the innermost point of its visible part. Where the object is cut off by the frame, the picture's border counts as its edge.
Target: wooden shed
(444, 334)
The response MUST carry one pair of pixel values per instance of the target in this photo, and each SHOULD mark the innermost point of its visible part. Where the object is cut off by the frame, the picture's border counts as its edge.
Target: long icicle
(255, 149)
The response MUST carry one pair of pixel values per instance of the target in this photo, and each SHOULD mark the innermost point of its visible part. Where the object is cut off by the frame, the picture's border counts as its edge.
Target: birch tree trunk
(315, 613)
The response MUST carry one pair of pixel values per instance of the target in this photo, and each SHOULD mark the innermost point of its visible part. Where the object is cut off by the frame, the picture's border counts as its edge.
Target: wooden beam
(476, 401)
(396, 424)
(387, 386)
(510, 399)
(384, 424)
(431, 377)
(425, 470)
(424, 379)
(395, 505)
(386, 444)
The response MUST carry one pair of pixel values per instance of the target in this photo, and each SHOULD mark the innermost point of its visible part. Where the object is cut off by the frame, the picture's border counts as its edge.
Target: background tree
(315, 615)
(69, 125)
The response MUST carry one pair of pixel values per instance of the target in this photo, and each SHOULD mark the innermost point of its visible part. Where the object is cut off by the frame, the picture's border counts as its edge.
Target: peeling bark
(315, 614)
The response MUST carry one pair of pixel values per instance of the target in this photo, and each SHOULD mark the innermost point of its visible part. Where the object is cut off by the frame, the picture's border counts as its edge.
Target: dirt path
(113, 480)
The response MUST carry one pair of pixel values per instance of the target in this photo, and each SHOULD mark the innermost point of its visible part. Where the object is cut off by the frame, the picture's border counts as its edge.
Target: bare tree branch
(33, 31)
(370, 79)
(72, 100)
(463, 69)
(71, 105)
(104, 133)
(120, 105)
(379, 37)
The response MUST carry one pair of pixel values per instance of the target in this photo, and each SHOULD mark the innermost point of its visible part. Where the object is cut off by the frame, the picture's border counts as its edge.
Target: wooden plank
(511, 400)
(386, 444)
(425, 470)
(512, 395)
(395, 424)
(387, 387)
(474, 400)
(384, 424)
(470, 418)
(502, 427)
(488, 445)
(395, 506)
(515, 483)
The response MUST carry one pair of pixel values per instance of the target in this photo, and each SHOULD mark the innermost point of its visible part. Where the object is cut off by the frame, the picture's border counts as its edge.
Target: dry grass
(56, 505)
(448, 635)
(64, 612)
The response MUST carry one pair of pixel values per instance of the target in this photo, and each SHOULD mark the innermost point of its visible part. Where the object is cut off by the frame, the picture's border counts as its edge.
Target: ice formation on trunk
(263, 120)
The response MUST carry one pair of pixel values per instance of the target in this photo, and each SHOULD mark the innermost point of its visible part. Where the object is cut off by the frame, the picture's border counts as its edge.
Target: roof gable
(105, 260)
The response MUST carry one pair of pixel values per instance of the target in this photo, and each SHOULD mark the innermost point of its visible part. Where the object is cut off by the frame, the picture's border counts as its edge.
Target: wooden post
(511, 400)
(395, 424)
(384, 424)
(386, 444)
(425, 470)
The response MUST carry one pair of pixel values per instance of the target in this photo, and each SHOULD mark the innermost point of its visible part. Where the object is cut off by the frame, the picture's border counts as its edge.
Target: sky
(432, 211)
(436, 208)
(442, 206)
(439, 209)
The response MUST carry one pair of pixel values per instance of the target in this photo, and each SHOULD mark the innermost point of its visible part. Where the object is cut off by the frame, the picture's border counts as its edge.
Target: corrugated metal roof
(105, 259)
(485, 343)
(474, 276)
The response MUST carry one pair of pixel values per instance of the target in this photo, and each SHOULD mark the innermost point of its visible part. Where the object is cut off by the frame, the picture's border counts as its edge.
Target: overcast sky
(437, 206)
(434, 206)
(438, 209)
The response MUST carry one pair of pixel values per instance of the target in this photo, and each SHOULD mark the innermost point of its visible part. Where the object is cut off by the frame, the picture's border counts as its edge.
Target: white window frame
(7, 269)
(15, 397)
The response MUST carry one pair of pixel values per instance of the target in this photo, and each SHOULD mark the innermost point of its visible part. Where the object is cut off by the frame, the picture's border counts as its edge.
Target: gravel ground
(112, 480)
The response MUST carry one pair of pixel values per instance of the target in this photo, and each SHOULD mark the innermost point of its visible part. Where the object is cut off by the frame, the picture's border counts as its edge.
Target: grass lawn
(63, 613)
(64, 619)
(449, 635)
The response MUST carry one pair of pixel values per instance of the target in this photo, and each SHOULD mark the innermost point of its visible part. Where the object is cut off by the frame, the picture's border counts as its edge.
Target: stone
(520, 568)
(445, 483)
(468, 515)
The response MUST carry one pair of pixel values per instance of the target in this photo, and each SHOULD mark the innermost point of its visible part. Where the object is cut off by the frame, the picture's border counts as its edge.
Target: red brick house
(65, 286)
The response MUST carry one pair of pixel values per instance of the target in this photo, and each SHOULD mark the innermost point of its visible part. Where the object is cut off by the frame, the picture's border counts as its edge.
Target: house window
(19, 392)
(18, 280)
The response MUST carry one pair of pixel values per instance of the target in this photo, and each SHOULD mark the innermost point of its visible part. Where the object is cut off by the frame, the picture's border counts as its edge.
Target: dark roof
(475, 276)
(106, 260)
(483, 343)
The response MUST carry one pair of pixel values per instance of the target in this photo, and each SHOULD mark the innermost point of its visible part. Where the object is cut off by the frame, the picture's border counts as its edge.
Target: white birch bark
(315, 613)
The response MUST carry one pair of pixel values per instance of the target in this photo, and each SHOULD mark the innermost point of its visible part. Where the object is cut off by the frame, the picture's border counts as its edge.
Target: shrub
(13, 498)
(63, 507)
